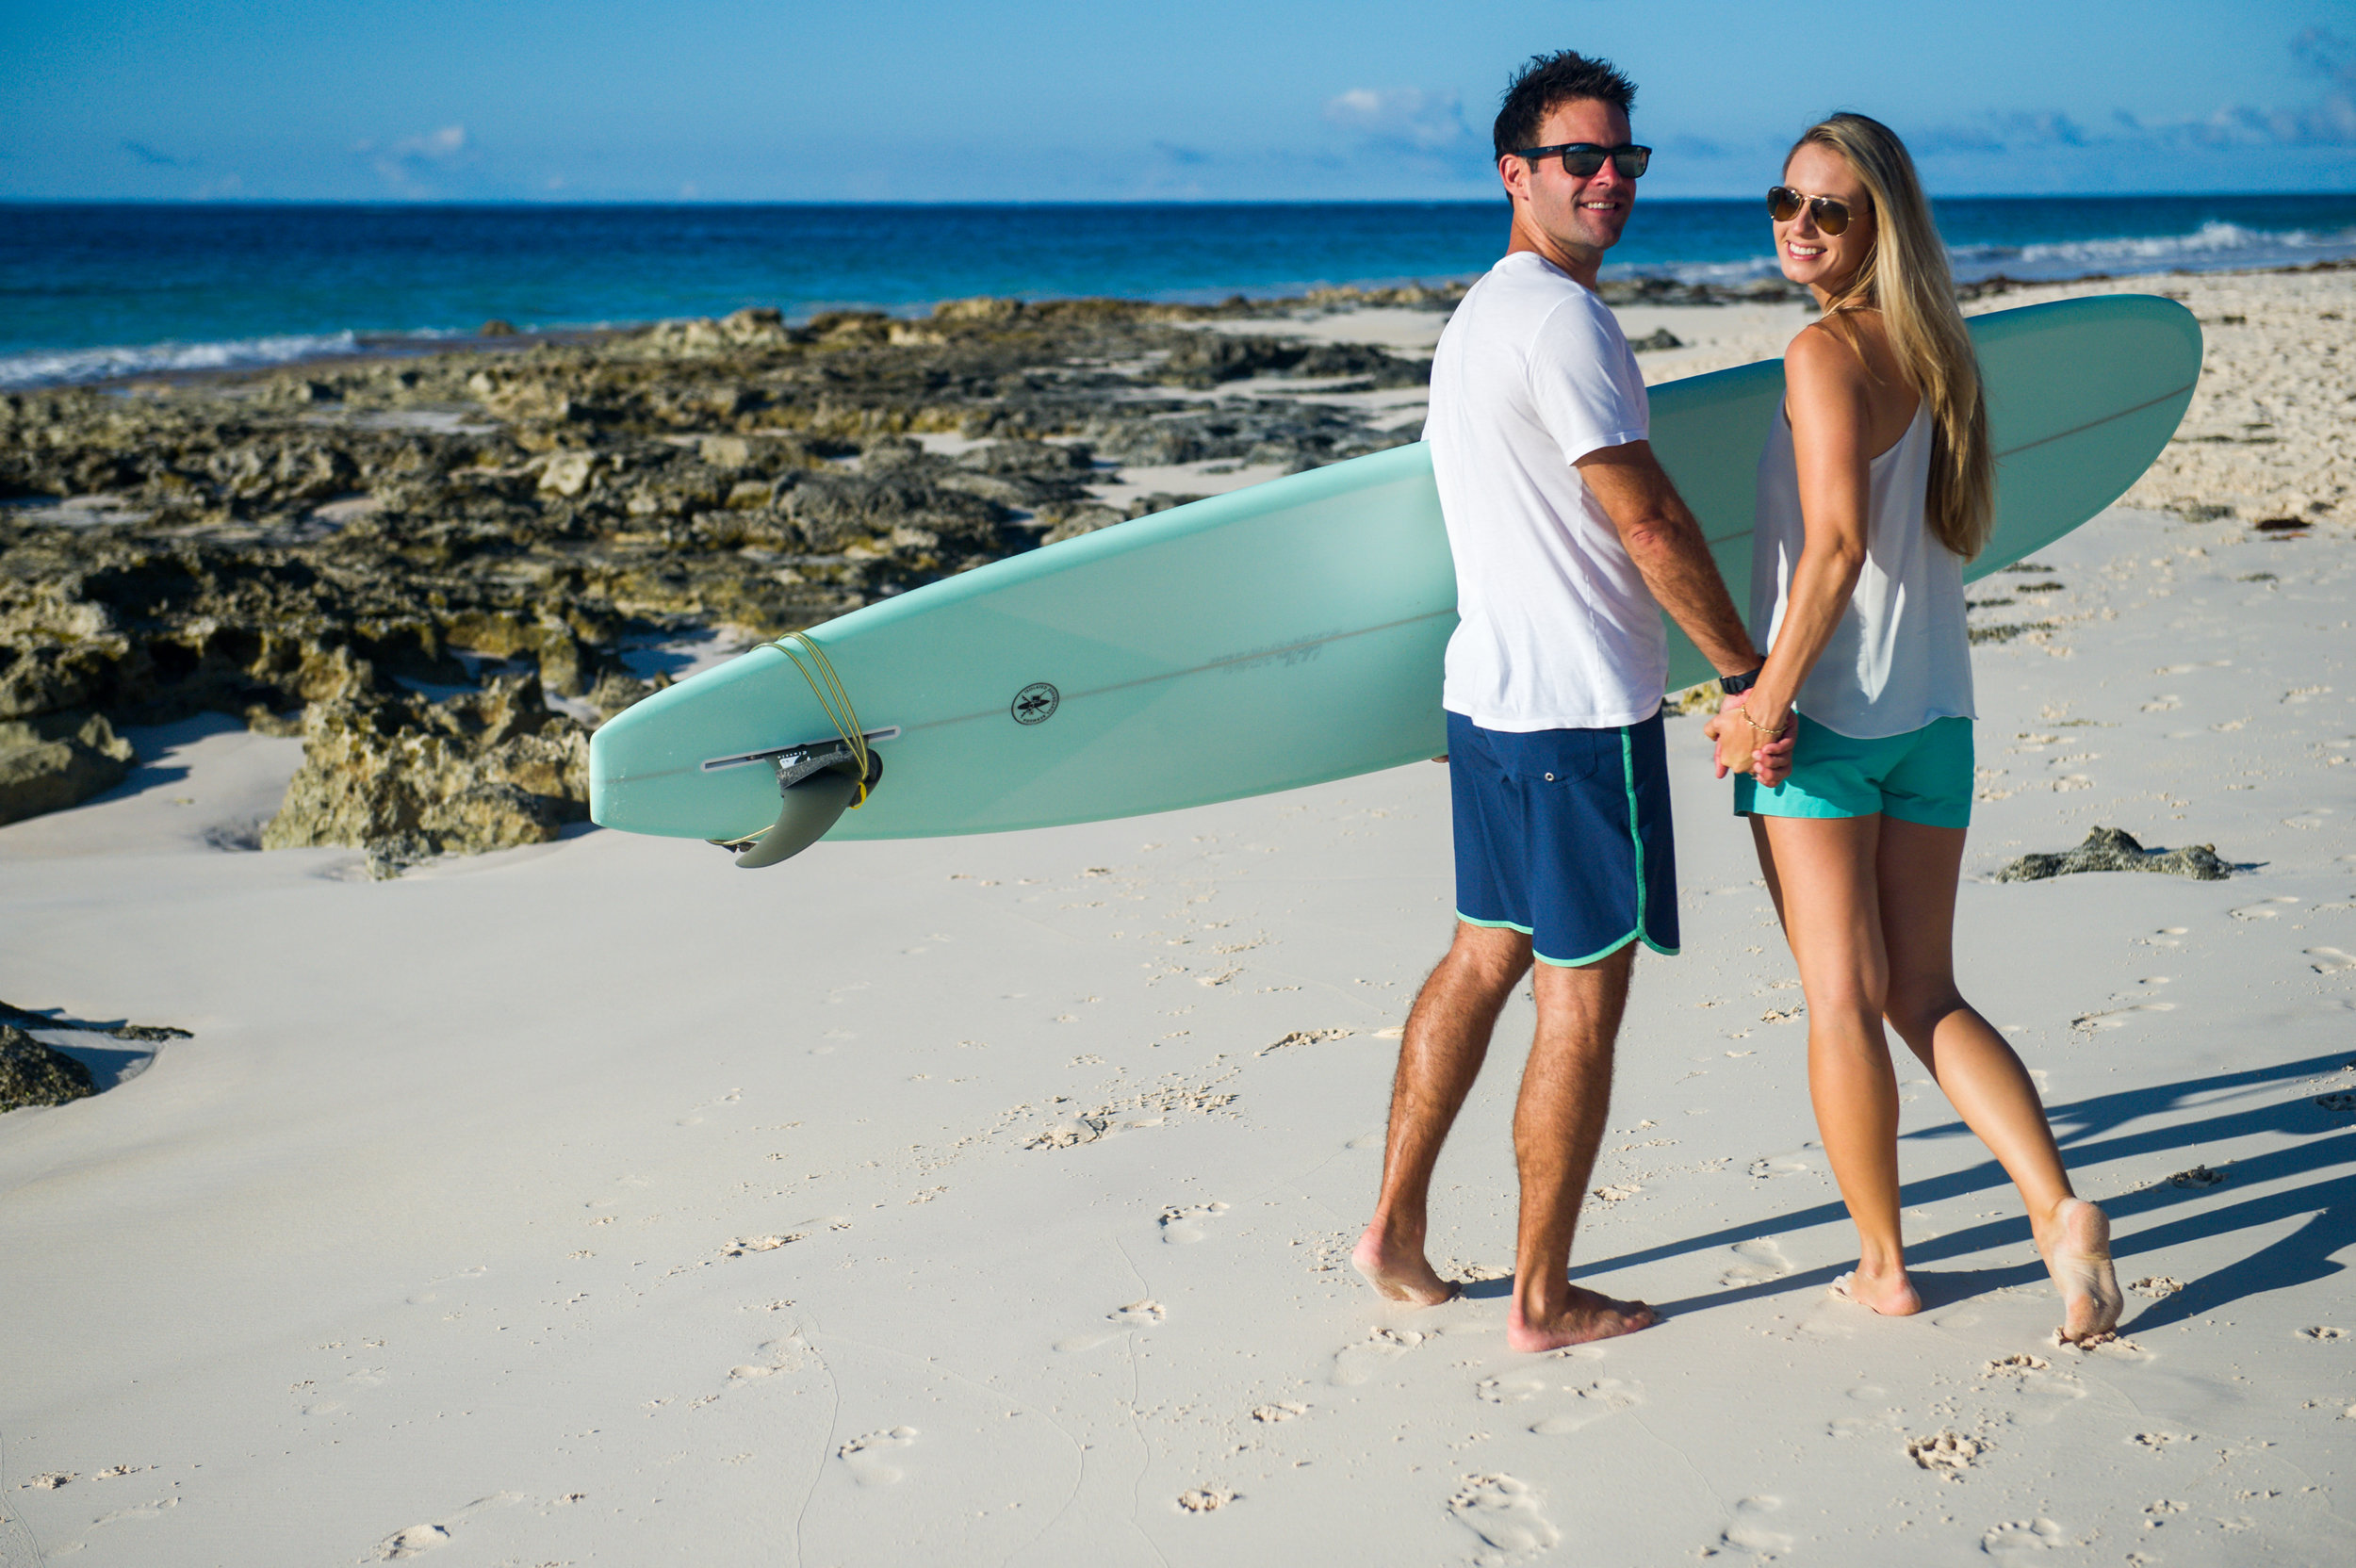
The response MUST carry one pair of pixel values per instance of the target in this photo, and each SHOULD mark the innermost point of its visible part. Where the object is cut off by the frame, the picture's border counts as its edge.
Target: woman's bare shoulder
(1819, 359)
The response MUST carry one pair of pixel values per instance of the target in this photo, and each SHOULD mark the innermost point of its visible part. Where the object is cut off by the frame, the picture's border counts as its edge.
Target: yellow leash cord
(828, 688)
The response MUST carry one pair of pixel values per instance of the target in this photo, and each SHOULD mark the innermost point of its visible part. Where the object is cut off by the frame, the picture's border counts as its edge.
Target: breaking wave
(2216, 246)
(2213, 245)
(63, 367)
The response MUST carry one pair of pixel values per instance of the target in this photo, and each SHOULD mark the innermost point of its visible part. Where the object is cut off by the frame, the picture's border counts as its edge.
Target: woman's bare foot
(1399, 1273)
(1890, 1292)
(2075, 1241)
(1585, 1316)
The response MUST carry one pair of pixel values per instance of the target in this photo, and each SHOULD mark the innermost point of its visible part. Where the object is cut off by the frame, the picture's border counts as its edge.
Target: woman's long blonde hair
(1905, 277)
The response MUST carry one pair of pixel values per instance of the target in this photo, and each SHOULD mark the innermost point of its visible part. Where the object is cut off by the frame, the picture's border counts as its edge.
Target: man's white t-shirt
(1557, 629)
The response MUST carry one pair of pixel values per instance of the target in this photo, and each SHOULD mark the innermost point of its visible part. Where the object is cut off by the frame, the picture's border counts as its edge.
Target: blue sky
(910, 100)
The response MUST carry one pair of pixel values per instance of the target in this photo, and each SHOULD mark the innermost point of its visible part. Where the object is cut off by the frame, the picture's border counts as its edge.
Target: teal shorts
(1923, 776)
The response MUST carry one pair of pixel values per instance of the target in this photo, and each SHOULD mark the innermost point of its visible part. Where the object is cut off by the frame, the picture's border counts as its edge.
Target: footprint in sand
(1355, 1364)
(1755, 1260)
(2043, 1392)
(1504, 1513)
(2119, 1018)
(1749, 1531)
(867, 1458)
(1136, 1314)
(409, 1542)
(2008, 1539)
(2266, 909)
(2330, 960)
(1182, 1227)
(1510, 1391)
(417, 1539)
(1946, 1453)
(1590, 1404)
(1777, 1165)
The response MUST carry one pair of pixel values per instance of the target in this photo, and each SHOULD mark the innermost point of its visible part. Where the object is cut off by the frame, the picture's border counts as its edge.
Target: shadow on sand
(2320, 1170)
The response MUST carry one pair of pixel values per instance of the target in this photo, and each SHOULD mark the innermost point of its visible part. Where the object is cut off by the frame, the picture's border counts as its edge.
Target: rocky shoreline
(405, 561)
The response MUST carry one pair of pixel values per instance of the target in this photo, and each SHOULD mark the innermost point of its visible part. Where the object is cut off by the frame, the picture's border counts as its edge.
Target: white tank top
(1901, 656)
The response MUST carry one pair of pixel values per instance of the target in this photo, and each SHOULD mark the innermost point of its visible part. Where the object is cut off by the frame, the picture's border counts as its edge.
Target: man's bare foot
(1400, 1273)
(1888, 1292)
(2075, 1241)
(1584, 1317)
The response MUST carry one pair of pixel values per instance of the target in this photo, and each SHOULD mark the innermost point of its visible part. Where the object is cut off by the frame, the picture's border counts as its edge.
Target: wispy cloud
(2326, 121)
(407, 164)
(147, 154)
(1400, 116)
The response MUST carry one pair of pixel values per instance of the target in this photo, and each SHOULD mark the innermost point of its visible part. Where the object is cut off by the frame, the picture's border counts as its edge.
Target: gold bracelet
(1773, 734)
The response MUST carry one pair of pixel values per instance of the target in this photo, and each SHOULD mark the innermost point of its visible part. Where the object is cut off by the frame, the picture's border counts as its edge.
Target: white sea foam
(65, 365)
(2214, 246)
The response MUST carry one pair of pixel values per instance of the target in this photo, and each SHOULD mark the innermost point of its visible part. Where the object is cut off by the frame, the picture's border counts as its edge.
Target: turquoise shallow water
(90, 290)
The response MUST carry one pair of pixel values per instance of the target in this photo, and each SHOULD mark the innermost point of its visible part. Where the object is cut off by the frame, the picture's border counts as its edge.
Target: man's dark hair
(1547, 80)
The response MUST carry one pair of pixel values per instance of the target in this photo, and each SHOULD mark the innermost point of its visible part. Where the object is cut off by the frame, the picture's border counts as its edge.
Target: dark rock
(32, 1073)
(1030, 459)
(2006, 631)
(25, 1018)
(1079, 520)
(616, 691)
(291, 542)
(57, 761)
(496, 327)
(1652, 342)
(2113, 849)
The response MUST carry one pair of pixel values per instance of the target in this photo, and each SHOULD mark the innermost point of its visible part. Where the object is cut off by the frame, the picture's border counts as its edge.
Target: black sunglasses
(1582, 158)
(1784, 204)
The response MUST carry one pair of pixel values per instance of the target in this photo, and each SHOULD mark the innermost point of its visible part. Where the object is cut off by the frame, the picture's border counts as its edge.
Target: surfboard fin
(813, 788)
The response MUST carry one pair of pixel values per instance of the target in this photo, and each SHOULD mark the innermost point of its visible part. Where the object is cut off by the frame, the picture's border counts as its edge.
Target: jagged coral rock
(58, 759)
(32, 1073)
(2115, 849)
(406, 778)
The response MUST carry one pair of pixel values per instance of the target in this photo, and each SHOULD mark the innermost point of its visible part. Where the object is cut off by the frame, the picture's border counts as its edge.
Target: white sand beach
(988, 1200)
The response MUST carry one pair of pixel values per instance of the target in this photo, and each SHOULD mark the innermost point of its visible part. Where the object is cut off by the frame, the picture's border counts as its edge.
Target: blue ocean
(89, 291)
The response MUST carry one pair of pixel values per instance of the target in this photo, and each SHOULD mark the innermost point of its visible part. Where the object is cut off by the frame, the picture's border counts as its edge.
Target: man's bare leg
(1558, 1125)
(1439, 1056)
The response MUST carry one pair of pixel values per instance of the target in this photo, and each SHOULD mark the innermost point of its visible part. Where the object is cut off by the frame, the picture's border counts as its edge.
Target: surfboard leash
(828, 688)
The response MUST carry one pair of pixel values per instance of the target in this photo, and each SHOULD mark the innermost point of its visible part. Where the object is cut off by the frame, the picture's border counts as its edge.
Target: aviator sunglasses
(1784, 204)
(1581, 159)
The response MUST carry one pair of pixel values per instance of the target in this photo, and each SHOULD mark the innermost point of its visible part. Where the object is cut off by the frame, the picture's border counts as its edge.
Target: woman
(1875, 487)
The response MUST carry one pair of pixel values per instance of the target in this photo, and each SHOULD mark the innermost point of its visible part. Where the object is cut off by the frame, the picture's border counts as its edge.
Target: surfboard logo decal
(1035, 703)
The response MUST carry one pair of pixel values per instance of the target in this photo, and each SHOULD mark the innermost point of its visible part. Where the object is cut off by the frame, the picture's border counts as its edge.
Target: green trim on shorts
(1636, 838)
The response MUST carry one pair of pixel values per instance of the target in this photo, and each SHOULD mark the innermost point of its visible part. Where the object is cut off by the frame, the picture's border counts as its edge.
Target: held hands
(1742, 746)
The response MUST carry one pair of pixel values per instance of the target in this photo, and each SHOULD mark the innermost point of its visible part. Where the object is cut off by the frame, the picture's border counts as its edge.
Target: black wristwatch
(1735, 685)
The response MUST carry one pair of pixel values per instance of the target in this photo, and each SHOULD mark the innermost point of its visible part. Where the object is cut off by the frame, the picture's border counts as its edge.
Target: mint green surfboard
(1285, 634)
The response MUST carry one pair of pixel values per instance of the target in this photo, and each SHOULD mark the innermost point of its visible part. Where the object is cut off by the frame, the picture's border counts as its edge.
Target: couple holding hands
(1850, 736)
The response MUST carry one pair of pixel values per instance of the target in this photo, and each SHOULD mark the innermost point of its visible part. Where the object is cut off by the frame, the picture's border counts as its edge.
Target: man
(1569, 539)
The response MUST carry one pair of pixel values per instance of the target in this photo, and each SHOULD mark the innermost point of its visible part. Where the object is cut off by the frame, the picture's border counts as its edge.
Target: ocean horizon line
(521, 204)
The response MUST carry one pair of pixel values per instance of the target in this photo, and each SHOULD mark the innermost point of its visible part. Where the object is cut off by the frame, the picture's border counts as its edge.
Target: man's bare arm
(1666, 543)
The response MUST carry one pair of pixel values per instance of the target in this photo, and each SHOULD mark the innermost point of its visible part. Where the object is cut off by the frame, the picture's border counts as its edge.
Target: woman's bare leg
(1978, 1072)
(1823, 871)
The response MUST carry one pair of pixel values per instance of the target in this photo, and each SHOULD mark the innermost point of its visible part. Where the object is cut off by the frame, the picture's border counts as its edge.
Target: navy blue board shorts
(1563, 835)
